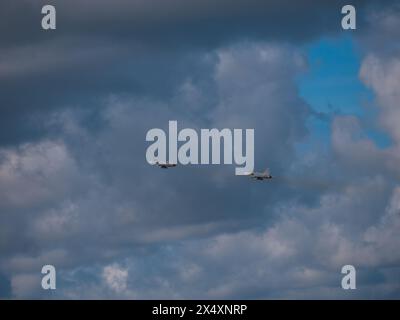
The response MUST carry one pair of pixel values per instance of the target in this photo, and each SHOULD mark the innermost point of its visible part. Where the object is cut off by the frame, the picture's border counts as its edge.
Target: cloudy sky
(76, 190)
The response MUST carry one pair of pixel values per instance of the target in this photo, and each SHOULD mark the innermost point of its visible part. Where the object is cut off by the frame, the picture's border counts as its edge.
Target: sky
(76, 191)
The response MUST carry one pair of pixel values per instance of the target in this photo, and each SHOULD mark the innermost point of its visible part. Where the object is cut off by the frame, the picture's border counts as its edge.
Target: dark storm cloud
(36, 80)
(141, 47)
(175, 22)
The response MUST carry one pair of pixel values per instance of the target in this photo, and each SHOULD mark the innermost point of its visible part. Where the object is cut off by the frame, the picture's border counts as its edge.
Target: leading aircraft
(164, 165)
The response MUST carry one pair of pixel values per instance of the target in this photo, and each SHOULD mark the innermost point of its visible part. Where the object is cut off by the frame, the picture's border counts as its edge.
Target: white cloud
(382, 74)
(116, 278)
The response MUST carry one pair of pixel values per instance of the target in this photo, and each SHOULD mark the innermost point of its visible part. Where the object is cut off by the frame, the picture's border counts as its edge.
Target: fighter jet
(260, 175)
(165, 165)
